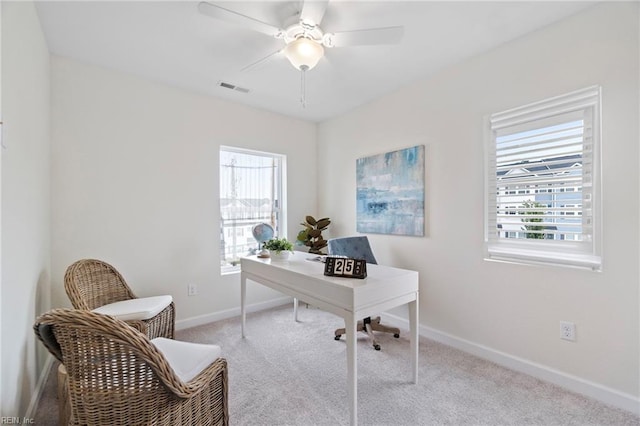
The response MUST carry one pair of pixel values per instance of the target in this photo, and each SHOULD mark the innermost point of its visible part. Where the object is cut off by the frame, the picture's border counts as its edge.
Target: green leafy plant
(311, 235)
(278, 245)
(532, 219)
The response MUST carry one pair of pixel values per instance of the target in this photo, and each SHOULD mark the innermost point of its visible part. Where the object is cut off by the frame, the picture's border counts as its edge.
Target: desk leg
(413, 330)
(243, 296)
(350, 324)
(295, 309)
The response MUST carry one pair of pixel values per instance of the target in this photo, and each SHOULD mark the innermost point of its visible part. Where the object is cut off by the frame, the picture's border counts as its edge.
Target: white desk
(350, 298)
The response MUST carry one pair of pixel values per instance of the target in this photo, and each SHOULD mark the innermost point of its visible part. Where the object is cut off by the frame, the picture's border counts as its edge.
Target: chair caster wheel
(396, 335)
(377, 347)
(337, 337)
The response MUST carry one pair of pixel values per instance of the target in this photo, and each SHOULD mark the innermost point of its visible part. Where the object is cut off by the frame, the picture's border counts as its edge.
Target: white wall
(25, 202)
(504, 308)
(135, 181)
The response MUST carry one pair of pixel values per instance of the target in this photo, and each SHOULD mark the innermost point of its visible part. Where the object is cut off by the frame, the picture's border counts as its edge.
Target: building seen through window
(539, 183)
(250, 194)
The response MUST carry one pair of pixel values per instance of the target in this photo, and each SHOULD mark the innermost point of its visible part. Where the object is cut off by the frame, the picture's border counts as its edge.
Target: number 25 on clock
(345, 267)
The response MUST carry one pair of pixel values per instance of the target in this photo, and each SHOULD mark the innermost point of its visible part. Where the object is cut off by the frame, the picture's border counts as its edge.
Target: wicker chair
(117, 376)
(95, 285)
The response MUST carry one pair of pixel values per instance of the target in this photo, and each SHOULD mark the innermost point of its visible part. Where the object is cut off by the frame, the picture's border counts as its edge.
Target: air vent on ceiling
(233, 87)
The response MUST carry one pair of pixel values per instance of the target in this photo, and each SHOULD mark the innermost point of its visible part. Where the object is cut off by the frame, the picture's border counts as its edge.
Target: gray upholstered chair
(359, 248)
(116, 375)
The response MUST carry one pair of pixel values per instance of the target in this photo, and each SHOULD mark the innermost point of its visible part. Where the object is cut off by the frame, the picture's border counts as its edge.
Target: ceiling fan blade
(260, 61)
(389, 35)
(313, 11)
(227, 15)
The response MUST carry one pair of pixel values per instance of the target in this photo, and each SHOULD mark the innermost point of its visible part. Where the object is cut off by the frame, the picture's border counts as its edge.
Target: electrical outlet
(567, 331)
(192, 289)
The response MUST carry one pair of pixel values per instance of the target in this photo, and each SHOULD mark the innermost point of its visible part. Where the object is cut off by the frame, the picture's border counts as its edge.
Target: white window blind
(251, 192)
(543, 182)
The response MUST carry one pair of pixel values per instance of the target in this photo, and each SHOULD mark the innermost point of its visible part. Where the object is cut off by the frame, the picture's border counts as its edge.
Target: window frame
(578, 254)
(281, 197)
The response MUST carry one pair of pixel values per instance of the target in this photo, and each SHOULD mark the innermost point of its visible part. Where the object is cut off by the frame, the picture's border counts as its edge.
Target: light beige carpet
(287, 373)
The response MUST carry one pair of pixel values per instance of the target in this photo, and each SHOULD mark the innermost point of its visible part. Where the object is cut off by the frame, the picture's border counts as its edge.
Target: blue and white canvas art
(390, 193)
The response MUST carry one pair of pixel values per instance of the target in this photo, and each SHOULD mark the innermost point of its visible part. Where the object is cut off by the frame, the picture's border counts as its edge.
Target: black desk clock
(345, 267)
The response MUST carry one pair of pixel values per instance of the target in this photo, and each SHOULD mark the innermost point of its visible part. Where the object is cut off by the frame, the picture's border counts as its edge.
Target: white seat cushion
(136, 309)
(187, 359)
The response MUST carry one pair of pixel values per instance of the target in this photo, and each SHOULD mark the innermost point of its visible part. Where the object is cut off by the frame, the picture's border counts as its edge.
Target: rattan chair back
(91, 283)
(116, 376)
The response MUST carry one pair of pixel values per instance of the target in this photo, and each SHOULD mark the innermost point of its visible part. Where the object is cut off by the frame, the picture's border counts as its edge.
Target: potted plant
(311, 235)
(279, 248)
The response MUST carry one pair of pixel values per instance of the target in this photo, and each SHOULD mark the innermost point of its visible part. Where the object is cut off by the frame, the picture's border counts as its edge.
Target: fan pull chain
(303, 86)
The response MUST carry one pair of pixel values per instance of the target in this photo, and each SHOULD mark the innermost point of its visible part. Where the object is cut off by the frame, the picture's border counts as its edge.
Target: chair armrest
(202, 380)
(194, 365)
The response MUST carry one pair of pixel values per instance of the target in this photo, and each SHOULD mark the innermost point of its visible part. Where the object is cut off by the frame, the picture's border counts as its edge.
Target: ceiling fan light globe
(304, 52)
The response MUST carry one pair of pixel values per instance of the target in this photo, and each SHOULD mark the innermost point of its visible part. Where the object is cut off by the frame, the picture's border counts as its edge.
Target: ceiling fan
(304, 39)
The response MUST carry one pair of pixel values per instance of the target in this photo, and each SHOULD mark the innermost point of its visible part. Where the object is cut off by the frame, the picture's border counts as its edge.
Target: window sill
(230, 271)
(544, 258)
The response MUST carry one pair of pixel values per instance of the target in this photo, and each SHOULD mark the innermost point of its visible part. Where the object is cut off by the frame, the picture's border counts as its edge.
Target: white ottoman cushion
(143, 308)
(187, 359)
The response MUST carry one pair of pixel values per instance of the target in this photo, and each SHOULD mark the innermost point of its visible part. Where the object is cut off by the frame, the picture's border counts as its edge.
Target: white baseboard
(230, 313)
(573, 383)
(37, 392)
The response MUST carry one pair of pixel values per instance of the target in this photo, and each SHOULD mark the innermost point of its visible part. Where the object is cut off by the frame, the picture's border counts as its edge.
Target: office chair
(118, 376)
(359, 248)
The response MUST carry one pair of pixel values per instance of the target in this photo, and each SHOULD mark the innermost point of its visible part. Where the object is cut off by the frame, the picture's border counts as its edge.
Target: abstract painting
(390, 193)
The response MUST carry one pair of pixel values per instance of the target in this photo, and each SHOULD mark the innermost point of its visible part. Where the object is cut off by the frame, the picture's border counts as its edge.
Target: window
(543, 182)
(251, 192)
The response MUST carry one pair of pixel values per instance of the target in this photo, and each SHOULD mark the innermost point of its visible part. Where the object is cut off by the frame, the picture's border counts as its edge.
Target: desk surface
(301, 277)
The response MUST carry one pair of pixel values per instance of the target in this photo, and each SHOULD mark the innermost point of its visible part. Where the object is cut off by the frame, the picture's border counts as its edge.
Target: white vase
(283, 255)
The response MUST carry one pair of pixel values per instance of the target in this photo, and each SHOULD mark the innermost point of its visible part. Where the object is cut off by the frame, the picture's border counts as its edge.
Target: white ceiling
(171, 42)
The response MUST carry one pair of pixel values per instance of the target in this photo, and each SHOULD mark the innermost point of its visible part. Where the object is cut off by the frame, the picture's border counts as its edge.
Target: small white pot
(283, 255)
